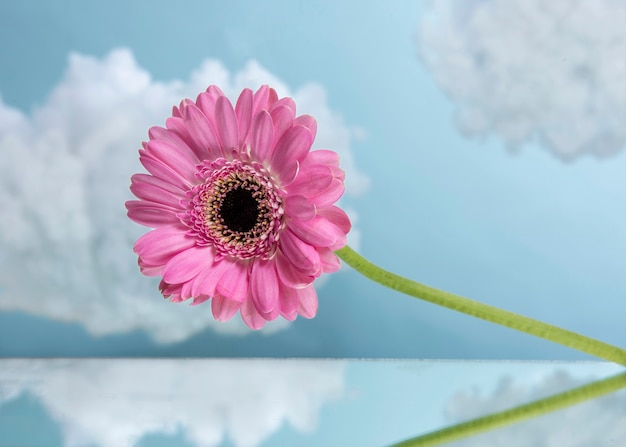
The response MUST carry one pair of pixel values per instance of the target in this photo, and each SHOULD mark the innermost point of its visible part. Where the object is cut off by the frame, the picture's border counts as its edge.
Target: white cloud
(113, 403)
(599, 422)
(64, 173)
(532, 70)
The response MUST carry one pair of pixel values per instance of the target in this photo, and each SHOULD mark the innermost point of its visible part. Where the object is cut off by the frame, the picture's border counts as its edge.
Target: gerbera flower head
(243, 211)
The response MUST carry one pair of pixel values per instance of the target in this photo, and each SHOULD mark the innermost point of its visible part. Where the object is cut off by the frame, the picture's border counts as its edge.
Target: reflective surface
(259, 402)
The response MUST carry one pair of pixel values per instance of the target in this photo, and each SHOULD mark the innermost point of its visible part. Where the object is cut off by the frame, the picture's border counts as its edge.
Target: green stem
(533, 409)
(476, 309)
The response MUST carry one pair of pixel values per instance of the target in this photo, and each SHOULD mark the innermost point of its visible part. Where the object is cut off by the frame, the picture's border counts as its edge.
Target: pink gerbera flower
(242, 209)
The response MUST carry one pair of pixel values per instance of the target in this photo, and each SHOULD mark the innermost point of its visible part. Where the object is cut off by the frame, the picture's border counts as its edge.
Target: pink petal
(311, 181)
(288, 301)
(318, 231)
(175, 125)
(251, 316)
(271, 98)
(282, 117)
(158, 182)
(170, 290)
(234, 282)
(152, 189)
(179, 131)
(149, 270)
(187, 264)
(291, 316)
(207, 280)
(206, 102)
(330, 261)
(289, 275)
(293, 145)
(339, 174)
(289, 173)
(226, 123)
(286, 102)
(223, 308)
(159, 246)
(307, 121)
(321, 157)
(201, 131)
(172, 137)
(303, 256)
(264, 286)
(273, 314)
(307, 302)
(260, 99)
(299, 207)
(330, 195)
(243, 110)
(173, 291)
(262, 137)
(162, 170)
(341, 242)
(183, 163)
(200, 299)
(337, 216)
(151, 214)
(185, 290)
(214, 90)
(153, 207)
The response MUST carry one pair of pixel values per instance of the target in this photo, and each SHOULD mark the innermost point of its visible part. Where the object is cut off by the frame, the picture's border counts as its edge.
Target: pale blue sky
(526, 231)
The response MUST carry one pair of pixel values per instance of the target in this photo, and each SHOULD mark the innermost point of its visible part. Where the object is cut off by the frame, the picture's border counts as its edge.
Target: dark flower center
(239, 210)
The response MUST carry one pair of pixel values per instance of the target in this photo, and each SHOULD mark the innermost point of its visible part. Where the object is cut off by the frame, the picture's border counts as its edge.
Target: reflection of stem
(505, 318)
(536, 408)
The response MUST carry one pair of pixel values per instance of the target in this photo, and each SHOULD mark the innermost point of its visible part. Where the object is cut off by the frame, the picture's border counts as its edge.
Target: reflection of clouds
(113, 403)
(594, 423)
(525, 69)
(65, 241)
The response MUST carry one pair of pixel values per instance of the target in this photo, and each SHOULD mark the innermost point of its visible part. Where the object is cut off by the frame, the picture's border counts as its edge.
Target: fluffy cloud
(531, 70)
(113, 403)
(599, 422)
(64, 174)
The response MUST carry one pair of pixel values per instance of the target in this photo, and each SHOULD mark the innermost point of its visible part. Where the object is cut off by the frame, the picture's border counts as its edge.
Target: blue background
(526, 232)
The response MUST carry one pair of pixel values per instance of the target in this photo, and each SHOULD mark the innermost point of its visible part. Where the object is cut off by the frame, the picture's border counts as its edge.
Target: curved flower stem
(476, 309)
(536, 408)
